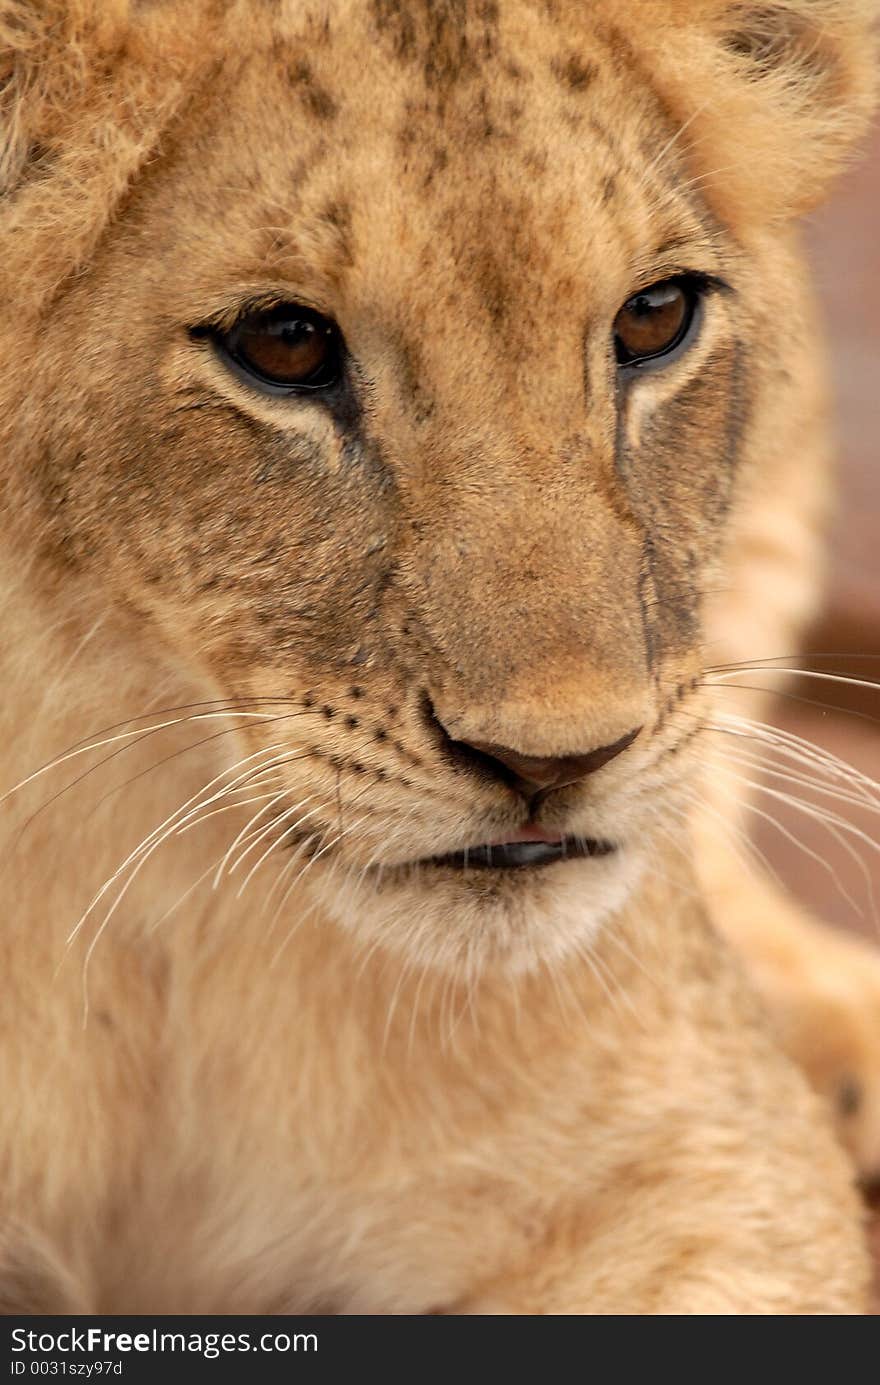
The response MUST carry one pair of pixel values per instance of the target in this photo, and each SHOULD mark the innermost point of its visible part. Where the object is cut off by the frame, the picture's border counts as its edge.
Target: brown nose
(531, 773)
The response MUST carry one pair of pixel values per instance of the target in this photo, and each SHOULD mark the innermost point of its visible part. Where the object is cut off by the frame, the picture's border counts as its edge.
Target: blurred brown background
(844, 240)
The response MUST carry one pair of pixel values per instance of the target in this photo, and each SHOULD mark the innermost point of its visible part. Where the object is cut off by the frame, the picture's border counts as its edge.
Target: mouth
(528, 848)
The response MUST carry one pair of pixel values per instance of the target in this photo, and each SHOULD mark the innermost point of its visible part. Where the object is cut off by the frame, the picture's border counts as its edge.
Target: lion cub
(400, 403)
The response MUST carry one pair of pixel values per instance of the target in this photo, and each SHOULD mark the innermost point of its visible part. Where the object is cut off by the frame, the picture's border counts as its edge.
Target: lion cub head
(395, 366)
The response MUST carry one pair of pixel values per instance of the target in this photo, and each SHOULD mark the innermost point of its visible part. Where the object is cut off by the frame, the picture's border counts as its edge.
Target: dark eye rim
(698, 287)
(223, 340)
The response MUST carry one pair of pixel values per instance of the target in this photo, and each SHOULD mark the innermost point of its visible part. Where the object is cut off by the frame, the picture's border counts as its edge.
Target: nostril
(595, 759)
(532, 773)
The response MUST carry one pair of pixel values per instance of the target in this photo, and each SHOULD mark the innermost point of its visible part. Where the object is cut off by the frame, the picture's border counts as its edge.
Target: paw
(828, 1016)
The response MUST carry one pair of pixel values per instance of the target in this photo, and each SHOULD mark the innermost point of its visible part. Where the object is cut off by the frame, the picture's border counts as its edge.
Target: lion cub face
(409, 397)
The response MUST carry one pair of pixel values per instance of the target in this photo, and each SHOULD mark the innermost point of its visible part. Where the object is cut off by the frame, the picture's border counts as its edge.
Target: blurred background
(844, 243)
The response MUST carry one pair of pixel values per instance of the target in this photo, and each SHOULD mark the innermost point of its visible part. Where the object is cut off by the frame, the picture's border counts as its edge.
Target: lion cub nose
(532, 773)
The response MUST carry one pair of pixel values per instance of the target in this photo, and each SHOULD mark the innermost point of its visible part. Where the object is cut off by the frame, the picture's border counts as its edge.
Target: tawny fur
(401, 1092)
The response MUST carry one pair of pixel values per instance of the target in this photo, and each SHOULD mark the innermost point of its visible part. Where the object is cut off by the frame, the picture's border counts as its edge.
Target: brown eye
(288, 347)
(655, 321)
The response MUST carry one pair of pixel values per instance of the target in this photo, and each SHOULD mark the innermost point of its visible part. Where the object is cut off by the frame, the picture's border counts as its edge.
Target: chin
(469, 921)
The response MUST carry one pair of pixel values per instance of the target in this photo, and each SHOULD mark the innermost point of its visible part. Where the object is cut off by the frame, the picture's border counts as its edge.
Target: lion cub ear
(86, 89)
(775, 94)
(49, 50)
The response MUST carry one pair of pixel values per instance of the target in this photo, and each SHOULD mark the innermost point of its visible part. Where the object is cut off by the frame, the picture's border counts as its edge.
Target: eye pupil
(287, 348)
(654, 321)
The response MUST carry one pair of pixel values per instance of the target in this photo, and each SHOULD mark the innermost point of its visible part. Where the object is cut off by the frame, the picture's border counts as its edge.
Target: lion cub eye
(655, 321)
(286, 348)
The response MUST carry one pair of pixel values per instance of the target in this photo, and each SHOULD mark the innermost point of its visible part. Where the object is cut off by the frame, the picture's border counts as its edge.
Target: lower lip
(523, 855)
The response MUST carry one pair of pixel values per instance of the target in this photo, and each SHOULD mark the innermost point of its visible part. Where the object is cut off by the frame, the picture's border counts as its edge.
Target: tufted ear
(773, 93)
(48, 48)
(86, 89)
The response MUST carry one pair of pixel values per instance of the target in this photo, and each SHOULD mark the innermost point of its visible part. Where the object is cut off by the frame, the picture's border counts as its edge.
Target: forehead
(361, 147)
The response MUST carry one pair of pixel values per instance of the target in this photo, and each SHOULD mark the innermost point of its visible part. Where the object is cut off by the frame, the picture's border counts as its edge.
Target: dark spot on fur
(437, 165)
(536, 160)
(609, 189)
(315, 97)
(407, 136)
(394, 20)
(356, 692)
(620, 50)
(492, 284)
(448, 38)
(850, 1097)
(352, 723)
(328, 712)
(338, 215)
(481, 124)
(574, 73)
(447, 56)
